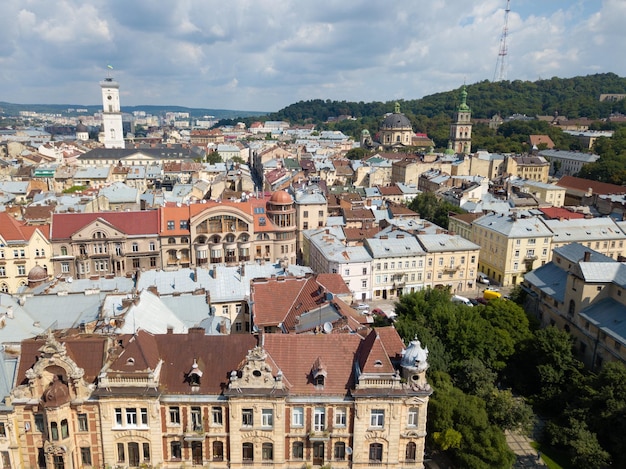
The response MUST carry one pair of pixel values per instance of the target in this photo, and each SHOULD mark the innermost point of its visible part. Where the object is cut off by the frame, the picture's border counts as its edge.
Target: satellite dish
(327, 327)
(69, 280)
(179, 255)
(348, 450)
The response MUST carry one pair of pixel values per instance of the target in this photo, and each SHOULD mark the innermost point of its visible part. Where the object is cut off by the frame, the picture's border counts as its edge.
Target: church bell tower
(461, 128)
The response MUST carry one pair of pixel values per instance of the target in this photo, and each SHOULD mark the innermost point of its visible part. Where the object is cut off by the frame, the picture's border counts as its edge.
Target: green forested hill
(571, 97)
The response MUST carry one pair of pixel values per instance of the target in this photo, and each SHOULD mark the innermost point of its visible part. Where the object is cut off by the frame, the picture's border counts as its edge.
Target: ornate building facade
(179, 400)
(173, 237)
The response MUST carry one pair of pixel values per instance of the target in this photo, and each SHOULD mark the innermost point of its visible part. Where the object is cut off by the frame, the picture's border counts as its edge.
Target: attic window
(130, 361)
(318, 381)
(194, 375)
(378, 363)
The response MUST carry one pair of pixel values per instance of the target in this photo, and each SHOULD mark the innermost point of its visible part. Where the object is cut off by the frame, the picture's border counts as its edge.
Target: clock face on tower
(109, 97)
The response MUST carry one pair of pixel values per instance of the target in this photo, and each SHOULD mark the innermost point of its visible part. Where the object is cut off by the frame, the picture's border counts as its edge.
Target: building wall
(17, 258)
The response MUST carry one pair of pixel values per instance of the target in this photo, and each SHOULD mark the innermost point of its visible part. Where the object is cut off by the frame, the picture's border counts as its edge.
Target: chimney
(587, 256)
(214, 272)
(154, 290)
(195, 274)
(243, 270)
(170, 330)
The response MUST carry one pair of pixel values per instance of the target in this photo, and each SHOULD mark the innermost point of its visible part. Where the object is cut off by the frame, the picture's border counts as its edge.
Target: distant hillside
(14, 109)
(570, 97)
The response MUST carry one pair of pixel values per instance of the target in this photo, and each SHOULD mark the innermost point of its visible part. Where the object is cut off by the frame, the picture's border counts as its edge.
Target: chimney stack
(587, 256)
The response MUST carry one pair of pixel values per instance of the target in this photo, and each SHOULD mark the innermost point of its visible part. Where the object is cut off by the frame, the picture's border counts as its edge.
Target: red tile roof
(64, 225)
(216, 357)
(296, 355)
(583, 185)
(282, 299)
(14, 230)
(556, 213)
(87, 352)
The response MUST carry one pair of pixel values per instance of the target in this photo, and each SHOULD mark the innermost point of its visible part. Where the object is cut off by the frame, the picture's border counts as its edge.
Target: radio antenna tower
(500, 72)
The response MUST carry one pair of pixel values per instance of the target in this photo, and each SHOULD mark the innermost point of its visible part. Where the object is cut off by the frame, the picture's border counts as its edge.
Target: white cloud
(264, 55)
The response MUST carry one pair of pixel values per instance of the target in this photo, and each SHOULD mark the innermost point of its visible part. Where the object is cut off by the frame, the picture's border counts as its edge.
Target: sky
(262, 55)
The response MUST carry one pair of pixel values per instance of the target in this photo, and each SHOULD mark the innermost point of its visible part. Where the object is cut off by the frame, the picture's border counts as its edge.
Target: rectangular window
(6, 460)
(364, 270)
(121, 456)
(377, 418)
(305, 225)
(196, 419)
(320, 213)
(152, 246)
(118, 416)
(153, 262)
(175, 450)
(247, 417)
(297, 417)
(340, 417)
(39, 426)
(131, 416)
(146, 451)
(135, 247)
(136, 263)
(319, 419)
(171, 225)
(65, 267)
(85, 456)
(144, 416)
(363, 283)
(21, 270)
(412, 420)
(305, 214)
(3, 271)
(267, 418)
(184, 225)
(3, 430)
(216, 412)
(175, 415)
(83, 425)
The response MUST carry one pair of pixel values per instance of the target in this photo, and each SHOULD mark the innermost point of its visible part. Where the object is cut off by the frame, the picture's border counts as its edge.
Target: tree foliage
(433, 209)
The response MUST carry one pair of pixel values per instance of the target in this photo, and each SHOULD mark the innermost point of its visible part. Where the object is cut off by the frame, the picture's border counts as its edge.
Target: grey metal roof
(334, 250)
(550, 279)
(394, 247)
(514, 227)
(445, 242)
(585, 229)
(575, 252)
(608, 315)
(604, 272)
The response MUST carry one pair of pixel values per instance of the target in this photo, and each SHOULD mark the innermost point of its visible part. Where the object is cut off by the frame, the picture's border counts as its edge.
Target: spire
(463, 106)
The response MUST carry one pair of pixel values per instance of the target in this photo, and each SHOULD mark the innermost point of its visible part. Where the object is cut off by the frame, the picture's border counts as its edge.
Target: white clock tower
(112, 114)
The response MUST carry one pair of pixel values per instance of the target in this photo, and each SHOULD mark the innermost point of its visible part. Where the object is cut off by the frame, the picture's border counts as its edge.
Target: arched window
(54, 431)
(64, 429)
(171, 241)
(218, 451)
(64, 250)
(340, 451)
(376, 452)
(297, 450)
(184, 240)
(4, 288)
(267, 452)
(247, 451)
(410, 451)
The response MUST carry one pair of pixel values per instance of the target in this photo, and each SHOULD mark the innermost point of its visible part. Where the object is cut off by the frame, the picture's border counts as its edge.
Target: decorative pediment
(255, 373)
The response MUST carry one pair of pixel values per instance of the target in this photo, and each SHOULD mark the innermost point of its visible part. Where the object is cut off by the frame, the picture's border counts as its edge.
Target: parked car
(482, 278)
(378, 312)
(491, 294)
(362, 306)
(462, 300)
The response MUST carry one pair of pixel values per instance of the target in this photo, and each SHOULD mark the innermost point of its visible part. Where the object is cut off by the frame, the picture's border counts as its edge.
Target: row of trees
(489, 364)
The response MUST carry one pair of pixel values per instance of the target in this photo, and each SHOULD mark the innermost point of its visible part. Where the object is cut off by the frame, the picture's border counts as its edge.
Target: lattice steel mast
(500, 72)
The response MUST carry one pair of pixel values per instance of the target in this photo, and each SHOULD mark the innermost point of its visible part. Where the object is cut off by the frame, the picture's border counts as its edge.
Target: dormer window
(130, 361)
(318, 373)
(195, 374)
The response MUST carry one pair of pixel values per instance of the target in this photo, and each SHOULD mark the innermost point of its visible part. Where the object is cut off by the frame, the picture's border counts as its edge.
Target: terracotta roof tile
(130, 223)
(296, 355)
(216, 357)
